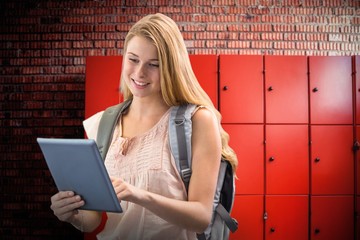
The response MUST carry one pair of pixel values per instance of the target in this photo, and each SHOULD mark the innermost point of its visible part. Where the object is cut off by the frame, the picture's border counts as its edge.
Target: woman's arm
(194, 214)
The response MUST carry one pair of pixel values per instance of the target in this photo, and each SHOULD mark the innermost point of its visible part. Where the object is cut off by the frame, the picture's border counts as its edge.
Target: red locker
(241, 89)
(332, 160)
(248, 211)
(286, 87)
(286, 217)
(248, 143)
(102, 83)
(330, 90)
(205, 68)
(287, 164)
(332, 218)
(357, 218)
(357, 88)
(357, 163)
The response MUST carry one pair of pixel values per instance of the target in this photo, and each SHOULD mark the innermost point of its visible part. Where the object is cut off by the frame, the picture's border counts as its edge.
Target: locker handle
(315, 89)
(270, 88)
(271, 159)
(317, 231)
(272, 229)
(317, 160)
(225, 88)
(356, 146)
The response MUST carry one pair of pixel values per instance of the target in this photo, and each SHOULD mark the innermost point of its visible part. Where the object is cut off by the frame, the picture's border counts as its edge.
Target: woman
(156, 75)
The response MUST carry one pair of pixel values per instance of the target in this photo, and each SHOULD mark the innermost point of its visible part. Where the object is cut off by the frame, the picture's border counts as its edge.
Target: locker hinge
(356, 146)
(265, 216)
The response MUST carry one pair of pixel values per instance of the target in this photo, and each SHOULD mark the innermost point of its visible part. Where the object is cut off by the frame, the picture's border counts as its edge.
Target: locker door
(287, 217)
(241, 89)
(287, 164)
(205, 68)
(357, 218)
(332, 217)
(357, 88)
(102, 83)
(248, 211)
(330, 90)
(286, 87)
(358, 162)
(332, 161)
(248, 143)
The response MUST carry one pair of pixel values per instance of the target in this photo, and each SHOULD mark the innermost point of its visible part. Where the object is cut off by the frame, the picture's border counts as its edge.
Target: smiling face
(141, 70)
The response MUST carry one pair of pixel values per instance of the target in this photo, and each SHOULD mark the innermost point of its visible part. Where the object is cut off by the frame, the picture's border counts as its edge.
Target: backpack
(180, 127)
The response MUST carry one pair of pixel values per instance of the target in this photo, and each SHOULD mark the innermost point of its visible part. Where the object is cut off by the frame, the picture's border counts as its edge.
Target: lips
(140, 84)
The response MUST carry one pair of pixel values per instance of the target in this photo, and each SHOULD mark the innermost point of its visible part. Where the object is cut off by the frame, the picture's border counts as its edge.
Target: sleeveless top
(146, 162)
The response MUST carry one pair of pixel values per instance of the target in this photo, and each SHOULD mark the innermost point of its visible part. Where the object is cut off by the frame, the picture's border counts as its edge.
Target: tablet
(76, 165)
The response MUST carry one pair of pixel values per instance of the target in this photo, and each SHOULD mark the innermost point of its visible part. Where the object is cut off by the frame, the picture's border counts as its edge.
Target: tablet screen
(76, 165)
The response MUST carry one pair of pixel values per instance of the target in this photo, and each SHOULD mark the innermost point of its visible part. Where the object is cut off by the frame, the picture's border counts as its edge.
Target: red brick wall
(43, 45)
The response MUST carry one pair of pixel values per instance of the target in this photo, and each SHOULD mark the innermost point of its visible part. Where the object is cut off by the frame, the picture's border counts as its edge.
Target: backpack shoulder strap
(180, 129)
(107, 125)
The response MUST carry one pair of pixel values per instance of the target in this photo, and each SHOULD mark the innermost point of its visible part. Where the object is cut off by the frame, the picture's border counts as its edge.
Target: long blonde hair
(179, 84)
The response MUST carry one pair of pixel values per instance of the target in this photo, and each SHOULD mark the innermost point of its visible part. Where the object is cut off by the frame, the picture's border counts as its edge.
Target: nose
(140, 71)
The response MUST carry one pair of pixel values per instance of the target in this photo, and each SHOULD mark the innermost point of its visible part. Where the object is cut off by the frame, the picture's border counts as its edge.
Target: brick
(82, 44)
(105, 28)
(116, 36)
(261, 44)
(214, 10)
(295, 36)
(261, 28)
(236, 10)
(75, 69)
(206, 35)
(82, 28)
(62, 44)
(239, 44)
(72, 52)
(307, 45)
(194, 28)
(204, 18)
(216, 27)
(272, 36)
(249, 36)
(284, 45)
(228, 35)
(306, 28)
(239, 27)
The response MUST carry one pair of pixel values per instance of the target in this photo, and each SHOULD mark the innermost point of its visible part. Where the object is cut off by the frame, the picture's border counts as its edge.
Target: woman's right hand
(65, 206)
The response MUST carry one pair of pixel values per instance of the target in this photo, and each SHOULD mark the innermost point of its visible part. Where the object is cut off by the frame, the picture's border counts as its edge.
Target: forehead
(142, 47)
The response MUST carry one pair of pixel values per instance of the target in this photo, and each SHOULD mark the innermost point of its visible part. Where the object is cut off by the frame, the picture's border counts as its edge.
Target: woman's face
(141, 68)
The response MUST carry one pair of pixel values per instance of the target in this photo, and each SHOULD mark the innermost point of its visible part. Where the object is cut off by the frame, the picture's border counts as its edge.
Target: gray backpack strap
(107, 125)
(180, 129)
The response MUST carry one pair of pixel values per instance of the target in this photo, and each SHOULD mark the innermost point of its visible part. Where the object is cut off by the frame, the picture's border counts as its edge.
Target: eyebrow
(131, 53)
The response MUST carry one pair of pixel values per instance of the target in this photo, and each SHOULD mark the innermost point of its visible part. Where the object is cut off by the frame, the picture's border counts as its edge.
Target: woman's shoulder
(204, 118)
(91, 125)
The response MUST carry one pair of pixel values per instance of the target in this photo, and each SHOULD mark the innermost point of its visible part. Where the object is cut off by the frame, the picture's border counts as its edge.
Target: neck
(144, 108)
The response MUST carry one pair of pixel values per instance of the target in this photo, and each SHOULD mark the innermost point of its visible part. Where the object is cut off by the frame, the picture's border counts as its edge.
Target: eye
(133, 60)
(153, 64)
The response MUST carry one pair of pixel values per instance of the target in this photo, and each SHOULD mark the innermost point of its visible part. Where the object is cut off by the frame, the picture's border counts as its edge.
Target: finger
(61, 195)
(67, 204)
(67, 210)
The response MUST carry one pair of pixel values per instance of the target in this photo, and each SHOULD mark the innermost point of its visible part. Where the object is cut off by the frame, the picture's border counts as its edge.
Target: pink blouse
(146, 162)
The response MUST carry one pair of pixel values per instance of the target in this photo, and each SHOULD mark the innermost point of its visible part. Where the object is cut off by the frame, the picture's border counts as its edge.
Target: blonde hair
(179, 84)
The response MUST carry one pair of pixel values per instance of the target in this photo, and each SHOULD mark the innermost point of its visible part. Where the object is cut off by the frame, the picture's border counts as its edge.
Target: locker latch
(265, 216)
(356, 146)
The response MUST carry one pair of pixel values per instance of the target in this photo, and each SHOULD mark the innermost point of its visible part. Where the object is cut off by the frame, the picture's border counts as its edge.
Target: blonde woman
(156, 75)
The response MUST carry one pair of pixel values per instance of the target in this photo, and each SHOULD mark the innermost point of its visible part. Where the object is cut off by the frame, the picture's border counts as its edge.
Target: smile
(142, 84)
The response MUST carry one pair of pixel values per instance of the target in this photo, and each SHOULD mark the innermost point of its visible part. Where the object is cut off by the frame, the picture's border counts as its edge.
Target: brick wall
(43, 45)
